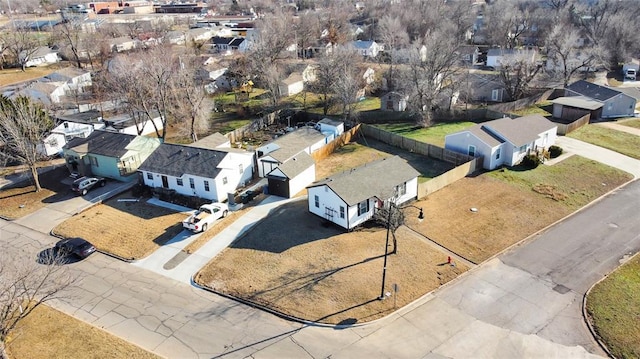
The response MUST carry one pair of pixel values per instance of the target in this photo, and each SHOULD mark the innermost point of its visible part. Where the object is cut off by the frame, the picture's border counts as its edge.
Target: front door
(165, 182)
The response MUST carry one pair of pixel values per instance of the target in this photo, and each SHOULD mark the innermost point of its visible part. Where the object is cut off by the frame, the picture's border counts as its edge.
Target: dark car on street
(75, 246)
(83, 184)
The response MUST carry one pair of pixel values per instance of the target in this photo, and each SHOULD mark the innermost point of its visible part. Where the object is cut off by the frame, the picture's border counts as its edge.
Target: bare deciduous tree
(394, 36)
(190, 99)
(347, 83)
(516, 74)
(21, 44)
(565, 54)
(391, 217)
(69, 34)
(23, 127)
(429, 70)
(506, 21)
(325, 77)
(143, 81)
(25, 285)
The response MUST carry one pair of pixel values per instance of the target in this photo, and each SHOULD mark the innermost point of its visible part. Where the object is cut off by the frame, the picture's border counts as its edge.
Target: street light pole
(386, 249)
(386, 244)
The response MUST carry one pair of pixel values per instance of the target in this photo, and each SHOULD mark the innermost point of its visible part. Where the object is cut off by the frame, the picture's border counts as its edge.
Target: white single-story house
(504, 141)
(291, 85)
(125, 123)
(393, 101)
(123, 43)
(498, 57)
(43, 55)
(292, 176)
(47, 93)
(287, 146)
(351, 198)
(367, 48)
(309, 73)
(200, 34)
(199, 172)
(62, 134)
(614, 103)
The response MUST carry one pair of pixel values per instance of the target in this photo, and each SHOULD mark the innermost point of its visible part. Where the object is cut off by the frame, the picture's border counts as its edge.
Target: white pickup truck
(204, 217)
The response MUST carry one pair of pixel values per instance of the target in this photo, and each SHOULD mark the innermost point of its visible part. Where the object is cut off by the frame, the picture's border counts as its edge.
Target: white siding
(266, 164)
(302, 180)
(459, 142)
(328, 200)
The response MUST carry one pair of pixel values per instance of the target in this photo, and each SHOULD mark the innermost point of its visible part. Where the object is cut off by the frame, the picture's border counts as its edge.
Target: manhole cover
(561, 289)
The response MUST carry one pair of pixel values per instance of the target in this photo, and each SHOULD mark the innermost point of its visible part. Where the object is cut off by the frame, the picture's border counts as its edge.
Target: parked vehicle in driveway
(83, 184)
(76, 246)
(205, 216)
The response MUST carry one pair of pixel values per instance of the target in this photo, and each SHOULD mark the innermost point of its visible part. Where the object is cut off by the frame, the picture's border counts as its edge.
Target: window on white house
(472, 150)
(224, 180)
(363, 207)
(206, 186)
(401, 190)
(240, 168)
(192, 183)
(498, 154)
(179, 181)
(342, 212)
(523, 148)
(495, 95)
(316, 199)
(149, 176)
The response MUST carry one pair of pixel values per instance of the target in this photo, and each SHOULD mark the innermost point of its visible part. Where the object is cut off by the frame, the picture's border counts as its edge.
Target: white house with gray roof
(351, 198)
(504, 141)
(292, 176)
(197, 171)
(285, 147)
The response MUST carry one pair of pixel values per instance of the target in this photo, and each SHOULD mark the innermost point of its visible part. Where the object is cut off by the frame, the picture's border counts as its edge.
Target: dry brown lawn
(130, 230)
(322, 274)
(12, 76)
(48, 333)
(22, 200)
(349, 156)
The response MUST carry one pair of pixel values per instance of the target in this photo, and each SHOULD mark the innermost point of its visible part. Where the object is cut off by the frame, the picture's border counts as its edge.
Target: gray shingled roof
(330, 122)
(104, 143)
(177, 160)
(592, 90)
(296, 165)
(521, 130)
(295, 142)
(210, 142)
(374, 179)
(583, 102)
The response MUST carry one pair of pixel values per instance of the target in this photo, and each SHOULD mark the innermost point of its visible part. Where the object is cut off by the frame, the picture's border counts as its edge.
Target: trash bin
(265, 189)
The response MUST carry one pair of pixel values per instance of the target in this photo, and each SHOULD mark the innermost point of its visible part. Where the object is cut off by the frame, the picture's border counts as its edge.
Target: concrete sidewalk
(191, 263)
(603, 155)
(619, 127)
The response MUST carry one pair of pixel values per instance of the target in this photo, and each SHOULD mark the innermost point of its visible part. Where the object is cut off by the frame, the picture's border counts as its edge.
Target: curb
(586, 317)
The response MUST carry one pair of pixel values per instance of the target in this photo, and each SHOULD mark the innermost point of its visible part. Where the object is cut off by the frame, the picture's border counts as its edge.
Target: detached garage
(292, 176)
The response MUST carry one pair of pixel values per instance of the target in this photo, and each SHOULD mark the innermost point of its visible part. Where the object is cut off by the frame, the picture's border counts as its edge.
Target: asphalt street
(524, 303)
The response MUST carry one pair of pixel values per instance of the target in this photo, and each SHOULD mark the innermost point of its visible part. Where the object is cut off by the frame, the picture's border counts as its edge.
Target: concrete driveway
(603, 155)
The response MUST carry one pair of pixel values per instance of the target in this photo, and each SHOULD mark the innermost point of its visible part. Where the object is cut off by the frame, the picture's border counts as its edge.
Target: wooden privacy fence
(464, 164)
(338, 142)
(255, 125)
(563, 129)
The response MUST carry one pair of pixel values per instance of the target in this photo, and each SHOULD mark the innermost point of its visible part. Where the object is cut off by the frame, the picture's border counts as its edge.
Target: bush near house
(555, 151)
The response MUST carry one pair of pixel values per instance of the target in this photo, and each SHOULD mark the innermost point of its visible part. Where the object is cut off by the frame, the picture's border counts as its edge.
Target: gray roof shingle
(592, 90)
(521, 130)
(296, 165)
(374, 179)
(178, 160)
(104, 143)
(295, 142)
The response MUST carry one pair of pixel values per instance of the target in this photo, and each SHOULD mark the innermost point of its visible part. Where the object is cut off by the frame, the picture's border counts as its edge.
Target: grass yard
(632, 122)
(40, 335)
(618, 141)
(613, 306)
(12, 76)
(320, 273)
(434, 134)
(541, 108)
(511, 204)
(130, 230)
(23, 200)
(346, 157)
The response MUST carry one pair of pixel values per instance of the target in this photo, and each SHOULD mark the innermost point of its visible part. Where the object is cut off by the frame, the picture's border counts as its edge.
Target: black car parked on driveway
(83, 184)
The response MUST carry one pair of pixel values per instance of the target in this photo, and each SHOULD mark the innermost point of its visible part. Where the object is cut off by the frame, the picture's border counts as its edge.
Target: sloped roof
(592, 90)
(330, 122)
(104, 143)
(296, 165)
(66, 74)
(293, 78)
(217, 40)
(362, 44)
(631, 92)
(295, 142)
(396, 95)
(88, 117)
(236, 41)
(178, 160)
(374, 179)
(212, 141)
(579, 102)
(41, 51)
(519, 131)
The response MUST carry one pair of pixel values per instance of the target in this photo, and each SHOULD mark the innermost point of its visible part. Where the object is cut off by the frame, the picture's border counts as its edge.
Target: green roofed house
(109, 154)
